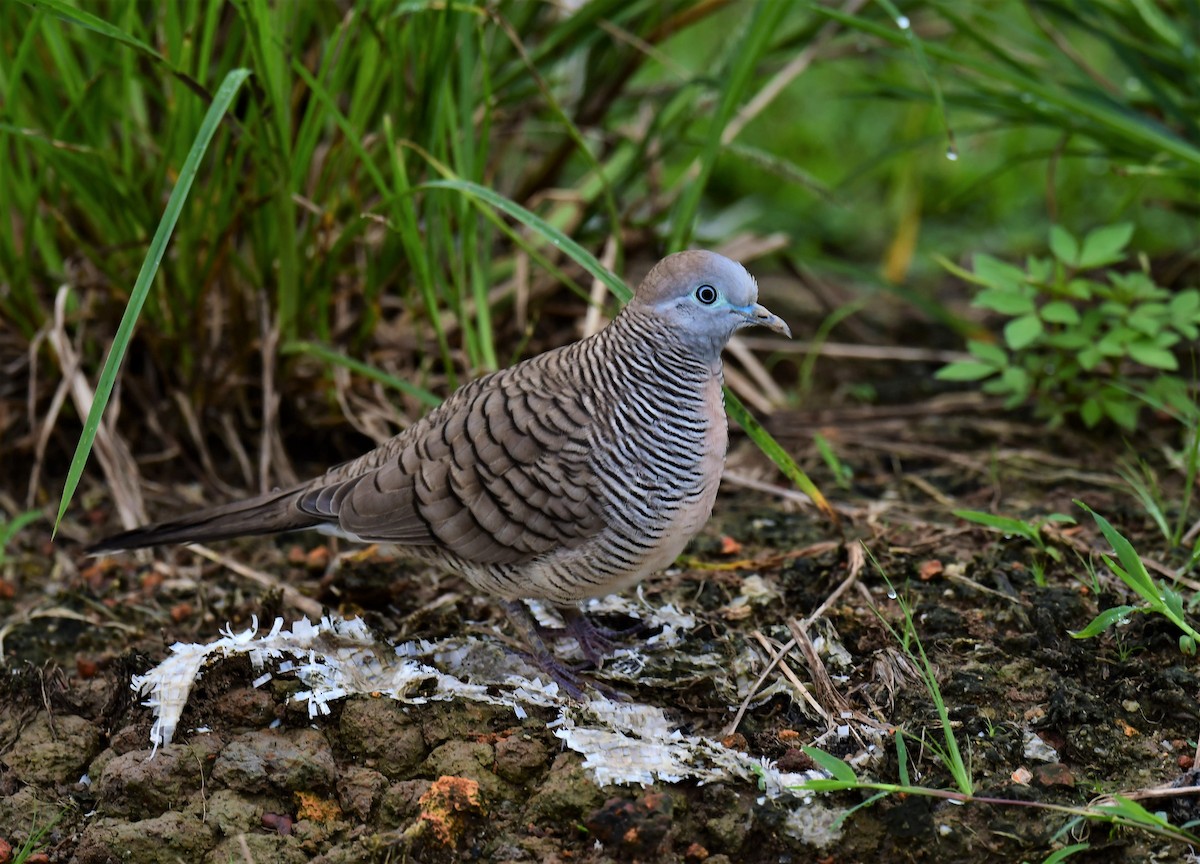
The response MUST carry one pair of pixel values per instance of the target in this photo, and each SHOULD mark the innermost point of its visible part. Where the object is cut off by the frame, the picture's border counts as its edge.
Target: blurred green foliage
(1073, 342)
(629, 122)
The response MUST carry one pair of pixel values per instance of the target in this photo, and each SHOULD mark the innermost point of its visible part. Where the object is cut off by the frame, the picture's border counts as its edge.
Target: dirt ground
(250, 776)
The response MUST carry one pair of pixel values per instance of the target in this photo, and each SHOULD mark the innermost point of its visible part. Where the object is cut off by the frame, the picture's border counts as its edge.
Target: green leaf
(996, 273)
(1105, 245)
(988, 352)
(1060, 855)
(760, 24)
(1138, 578)
(1064, 246)
(83, 18)
(1090, 411)
(835, 766)
(1003, 524)
(902, 757)
(570, 248)
(821, 784)
(1022, 332)
(1018, 381)
(1074, 339)
(1080, 289)
(1006, 301)
(771, 448)
(1185, 306)
(141, 288)
(1122, 411)
(1149, 354)
(1112, 344)
(965, 370)
(11, 528)
(1059, 312)
(1103, 621)
(1148, 318)
(1038, 269)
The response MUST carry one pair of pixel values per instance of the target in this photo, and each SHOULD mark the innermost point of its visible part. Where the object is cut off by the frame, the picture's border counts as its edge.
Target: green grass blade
(158, 246)
(840, 769)
(1103, 621)
(78, 16)
(570, 248)
(1137, 129)
(741, 415)
(1137, 577)
(1003, 524)
(763, 24)
(329, 355)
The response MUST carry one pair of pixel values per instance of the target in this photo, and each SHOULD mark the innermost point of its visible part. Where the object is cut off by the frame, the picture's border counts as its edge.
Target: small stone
(794, 761)
(736, 741)
(450, 808)
(520, 758)
(246, 707)
(566, 795)
(280, 823)
(138, 786)
(380, 733)
(260, 847)
(635, 828)
(1053, 774)
(231, 813)
(470, 759)
(173, 836)
(291, 761)
(50, 751)
(358, 790)
(401, 801)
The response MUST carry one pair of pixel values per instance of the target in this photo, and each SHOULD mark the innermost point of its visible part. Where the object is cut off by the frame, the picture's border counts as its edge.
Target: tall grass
(335, 194)
(347, 182)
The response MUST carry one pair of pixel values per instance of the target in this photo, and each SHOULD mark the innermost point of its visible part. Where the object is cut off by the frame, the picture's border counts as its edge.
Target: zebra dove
(572, 474)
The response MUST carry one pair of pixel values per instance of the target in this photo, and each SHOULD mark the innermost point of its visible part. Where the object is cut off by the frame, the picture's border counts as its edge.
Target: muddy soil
(1041, 717)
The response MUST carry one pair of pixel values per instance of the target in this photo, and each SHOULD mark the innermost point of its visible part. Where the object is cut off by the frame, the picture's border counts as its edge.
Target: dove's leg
(531, 634)
(595, 641)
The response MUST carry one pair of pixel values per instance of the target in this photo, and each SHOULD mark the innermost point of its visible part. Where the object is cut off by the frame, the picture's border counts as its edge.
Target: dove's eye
(706, 294)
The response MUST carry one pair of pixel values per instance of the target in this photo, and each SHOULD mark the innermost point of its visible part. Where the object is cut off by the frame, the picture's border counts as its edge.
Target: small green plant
(950, 755)
(1031, 531)
(1114, 810)
(1074, 339)
(10, 528)
(1158, 597)
(842, 473)
(36, 840)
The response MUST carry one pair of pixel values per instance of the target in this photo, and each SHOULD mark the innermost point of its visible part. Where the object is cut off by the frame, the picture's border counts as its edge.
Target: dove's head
(705, 297)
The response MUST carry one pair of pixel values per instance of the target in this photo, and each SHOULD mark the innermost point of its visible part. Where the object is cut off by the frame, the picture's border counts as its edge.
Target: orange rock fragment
(449, 807)
(316, 809)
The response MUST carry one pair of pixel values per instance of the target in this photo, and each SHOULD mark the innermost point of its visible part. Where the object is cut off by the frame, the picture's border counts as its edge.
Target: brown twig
(291, 596)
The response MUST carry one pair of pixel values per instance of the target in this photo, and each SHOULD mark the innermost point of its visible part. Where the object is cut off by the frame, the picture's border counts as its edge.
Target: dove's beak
(760, 316)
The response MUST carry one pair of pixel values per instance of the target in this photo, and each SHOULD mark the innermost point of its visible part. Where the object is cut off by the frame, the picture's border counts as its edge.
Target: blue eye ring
(706, 294)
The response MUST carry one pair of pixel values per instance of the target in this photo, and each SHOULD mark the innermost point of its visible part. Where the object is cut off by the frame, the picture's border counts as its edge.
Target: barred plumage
(572, 474)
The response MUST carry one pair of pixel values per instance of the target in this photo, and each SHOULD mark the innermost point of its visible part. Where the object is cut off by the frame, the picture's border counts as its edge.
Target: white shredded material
(621, 742)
